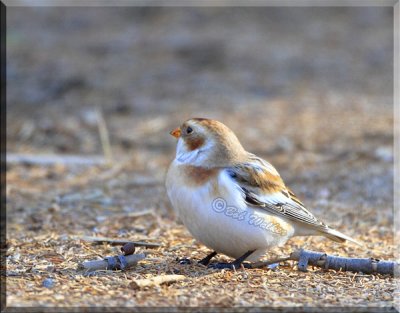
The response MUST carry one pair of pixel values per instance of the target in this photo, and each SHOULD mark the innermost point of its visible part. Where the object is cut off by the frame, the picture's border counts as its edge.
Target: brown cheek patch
(199, 175)
(194, 143)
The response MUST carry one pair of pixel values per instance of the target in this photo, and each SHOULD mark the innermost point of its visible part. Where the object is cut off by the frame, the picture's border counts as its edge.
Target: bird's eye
(189, 130)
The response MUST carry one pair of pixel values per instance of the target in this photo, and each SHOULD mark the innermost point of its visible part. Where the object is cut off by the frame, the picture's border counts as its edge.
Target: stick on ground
(51, 159)
(119, 242)
(118, 262)
(325, 261)
(155, 281)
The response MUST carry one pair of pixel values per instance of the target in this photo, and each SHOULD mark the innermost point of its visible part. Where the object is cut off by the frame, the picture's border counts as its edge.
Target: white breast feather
(223, 231)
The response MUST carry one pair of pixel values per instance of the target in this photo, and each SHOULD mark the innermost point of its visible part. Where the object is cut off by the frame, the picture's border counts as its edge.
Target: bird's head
(206, 143)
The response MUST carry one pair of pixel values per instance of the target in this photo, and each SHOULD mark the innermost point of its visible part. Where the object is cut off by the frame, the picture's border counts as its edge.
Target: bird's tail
(339, 237)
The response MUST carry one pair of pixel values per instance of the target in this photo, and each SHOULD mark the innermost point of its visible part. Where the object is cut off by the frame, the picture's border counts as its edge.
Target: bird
(231, 200)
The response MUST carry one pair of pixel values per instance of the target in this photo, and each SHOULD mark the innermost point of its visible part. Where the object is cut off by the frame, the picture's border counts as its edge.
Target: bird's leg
(239, 261)
(205, 261)
(235, 264)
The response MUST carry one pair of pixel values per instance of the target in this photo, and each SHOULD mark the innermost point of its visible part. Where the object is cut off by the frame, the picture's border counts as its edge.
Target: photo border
(203, 3)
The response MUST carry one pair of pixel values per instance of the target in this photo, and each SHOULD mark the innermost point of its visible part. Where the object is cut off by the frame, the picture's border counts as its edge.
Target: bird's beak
(176, 132)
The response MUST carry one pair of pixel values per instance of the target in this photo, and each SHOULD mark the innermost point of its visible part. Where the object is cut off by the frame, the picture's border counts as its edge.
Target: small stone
(48, 283)
(273, 266)
(384, 154)
(50, 268)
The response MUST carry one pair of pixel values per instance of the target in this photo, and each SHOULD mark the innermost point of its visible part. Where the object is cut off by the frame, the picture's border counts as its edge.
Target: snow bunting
(231, 200)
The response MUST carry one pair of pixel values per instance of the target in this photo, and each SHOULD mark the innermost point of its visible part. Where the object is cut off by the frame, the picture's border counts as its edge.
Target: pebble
(273, 266)
(48, 283)
(384, 153)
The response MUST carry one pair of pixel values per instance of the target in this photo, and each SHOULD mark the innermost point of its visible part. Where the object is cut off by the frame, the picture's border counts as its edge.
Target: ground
(308, 89)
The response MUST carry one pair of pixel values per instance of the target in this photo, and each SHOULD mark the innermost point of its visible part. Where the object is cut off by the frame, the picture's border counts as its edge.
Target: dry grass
(46, 214)
(33, 259)
(346, 181)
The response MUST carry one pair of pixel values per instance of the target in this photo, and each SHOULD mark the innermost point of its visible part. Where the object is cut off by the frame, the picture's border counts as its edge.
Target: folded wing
(263, 187)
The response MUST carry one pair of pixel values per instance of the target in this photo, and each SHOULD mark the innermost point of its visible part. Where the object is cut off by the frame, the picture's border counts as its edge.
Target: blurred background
(152, 67)
(310, 89)
(297, 83)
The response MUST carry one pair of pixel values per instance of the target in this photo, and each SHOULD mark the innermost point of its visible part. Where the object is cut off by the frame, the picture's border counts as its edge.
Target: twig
(119, 262)
(104, 136)
(132, 214)
(267, 263)
(114, 171)
(364, 265)
(48, 159)
(155, 281)
(118, 242)
(322, 260)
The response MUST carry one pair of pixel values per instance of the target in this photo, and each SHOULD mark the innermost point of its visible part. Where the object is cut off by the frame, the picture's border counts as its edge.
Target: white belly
(223, 222)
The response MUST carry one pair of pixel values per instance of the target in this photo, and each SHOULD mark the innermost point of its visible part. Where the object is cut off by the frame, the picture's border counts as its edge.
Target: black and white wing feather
(263, 187)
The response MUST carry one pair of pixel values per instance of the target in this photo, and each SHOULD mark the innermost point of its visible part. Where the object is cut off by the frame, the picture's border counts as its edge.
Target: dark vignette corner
(3, 154)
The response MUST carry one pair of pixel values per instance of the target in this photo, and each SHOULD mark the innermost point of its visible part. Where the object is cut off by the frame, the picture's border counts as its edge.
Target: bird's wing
(263, 187)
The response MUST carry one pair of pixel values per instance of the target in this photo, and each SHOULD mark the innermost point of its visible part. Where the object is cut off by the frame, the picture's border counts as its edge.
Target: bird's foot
(183, 261)
(230, 266)
(235, 264)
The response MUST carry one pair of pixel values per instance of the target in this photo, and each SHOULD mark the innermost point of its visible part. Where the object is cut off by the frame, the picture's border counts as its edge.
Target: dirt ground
(308, 89)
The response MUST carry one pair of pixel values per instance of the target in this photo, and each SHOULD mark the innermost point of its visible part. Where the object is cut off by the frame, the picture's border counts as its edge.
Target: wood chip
(158, 280)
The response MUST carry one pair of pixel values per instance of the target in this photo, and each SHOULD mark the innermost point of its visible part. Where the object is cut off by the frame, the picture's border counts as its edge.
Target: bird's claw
(184, 261)
(230, 266)
(220, 266)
